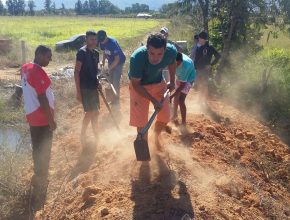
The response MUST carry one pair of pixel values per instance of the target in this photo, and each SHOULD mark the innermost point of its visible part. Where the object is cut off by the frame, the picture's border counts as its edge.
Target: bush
(14, 189)
(261, 81)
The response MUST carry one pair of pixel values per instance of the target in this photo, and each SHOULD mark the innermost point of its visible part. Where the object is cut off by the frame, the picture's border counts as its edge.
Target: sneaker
(184, 130)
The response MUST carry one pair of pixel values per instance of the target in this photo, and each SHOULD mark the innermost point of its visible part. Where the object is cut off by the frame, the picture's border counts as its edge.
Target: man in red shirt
(39, 108)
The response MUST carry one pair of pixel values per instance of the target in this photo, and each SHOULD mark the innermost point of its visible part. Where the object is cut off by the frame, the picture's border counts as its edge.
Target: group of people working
(147, 85)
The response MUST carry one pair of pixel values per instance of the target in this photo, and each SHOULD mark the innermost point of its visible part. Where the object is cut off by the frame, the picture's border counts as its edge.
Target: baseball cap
(101, 35)
(203, 35)
(164, 30)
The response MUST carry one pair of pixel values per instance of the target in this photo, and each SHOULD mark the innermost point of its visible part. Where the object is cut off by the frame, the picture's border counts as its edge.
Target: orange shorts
(139, 106)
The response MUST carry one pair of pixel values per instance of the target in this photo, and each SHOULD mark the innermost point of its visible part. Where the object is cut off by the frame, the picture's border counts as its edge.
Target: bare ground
(229, 166)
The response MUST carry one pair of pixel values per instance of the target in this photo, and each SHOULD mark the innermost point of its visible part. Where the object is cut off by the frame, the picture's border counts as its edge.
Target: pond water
(12, 139)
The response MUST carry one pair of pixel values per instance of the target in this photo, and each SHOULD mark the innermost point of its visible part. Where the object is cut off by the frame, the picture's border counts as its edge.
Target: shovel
(140, 145)
(104, 75)
(108, 107)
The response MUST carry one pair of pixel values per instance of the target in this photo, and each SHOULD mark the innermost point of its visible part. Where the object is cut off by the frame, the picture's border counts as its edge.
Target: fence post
(23, 52)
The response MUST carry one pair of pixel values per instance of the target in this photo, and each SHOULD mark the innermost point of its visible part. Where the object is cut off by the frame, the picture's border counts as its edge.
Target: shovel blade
(142, 150)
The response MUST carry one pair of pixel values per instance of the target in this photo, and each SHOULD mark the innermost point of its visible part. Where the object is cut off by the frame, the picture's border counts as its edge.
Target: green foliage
(2, 9)
(16, 7)
(180, 29)
(137, 8)
(279, 59)
(49, 30)
(31, 6)
(48, 5)
(95, 7)
(216, 38)
(261, 81)
(13, 188)
(8, 114)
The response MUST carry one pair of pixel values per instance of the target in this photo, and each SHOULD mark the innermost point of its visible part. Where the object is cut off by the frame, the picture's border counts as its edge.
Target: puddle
(12, 139)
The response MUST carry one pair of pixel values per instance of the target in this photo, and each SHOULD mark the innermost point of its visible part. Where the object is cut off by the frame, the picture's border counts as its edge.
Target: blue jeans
(115, 78)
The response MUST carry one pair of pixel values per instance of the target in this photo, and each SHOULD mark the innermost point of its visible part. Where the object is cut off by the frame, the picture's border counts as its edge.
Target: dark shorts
(90, 99)
(202, 74)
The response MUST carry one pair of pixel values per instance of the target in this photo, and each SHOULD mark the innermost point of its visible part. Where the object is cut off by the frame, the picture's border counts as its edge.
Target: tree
(93, 4)
(204, 6)
(170, 9)
(31, 6)
(53, 8)
(239, 23)
(78, 7)
(106, 7)
(2, 9)
(47, 6)
(285, 7)
(144, 8)
(10, 7)
(137, 8)
(20, 7)
(95, 7)
(16, 7)
(86, 7)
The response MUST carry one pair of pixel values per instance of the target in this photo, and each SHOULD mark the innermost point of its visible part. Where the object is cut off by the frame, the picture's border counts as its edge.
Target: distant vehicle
(144, 15)
(75, 42)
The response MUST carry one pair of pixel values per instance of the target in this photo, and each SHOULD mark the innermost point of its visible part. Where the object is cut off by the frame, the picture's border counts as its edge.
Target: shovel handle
(149, 123)
(104, 75)
(108, 107)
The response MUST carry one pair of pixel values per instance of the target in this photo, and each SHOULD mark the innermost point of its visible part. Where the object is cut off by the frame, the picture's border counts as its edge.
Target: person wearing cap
(203, 63)
(116, 59)
(165, 32)
(194, 48)
(185, 73)
(147, 84)
(86, 69)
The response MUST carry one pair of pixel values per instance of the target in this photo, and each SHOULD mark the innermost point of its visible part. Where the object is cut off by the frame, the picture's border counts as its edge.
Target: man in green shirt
(147, 83)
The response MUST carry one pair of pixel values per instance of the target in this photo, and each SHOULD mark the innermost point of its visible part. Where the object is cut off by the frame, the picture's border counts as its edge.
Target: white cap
(164, 30)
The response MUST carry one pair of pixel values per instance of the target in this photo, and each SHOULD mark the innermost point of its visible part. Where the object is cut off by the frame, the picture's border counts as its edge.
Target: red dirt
(233, 169)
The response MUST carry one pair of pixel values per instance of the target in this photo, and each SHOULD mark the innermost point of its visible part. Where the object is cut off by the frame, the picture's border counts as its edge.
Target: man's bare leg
(203, 92)
(94, 121)
(85, 124)
(175, 107)
(159, 126)
(182, 107)
(183, 113)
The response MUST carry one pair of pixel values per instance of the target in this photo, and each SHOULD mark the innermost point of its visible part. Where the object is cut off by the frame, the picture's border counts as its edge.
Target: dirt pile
(228, 166)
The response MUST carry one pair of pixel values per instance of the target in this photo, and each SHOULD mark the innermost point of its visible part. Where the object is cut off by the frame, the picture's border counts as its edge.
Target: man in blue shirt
(185, 73)
(116, 59)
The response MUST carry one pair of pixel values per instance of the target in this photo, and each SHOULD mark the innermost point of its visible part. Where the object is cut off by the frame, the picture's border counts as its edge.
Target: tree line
(82, 7)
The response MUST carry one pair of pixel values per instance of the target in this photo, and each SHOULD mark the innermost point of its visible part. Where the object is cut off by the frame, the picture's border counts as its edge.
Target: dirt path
(233, 169)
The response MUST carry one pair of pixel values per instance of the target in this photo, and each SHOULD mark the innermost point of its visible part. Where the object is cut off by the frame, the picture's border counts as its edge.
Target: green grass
(9, 115)
(282, 40)
(49, 30)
